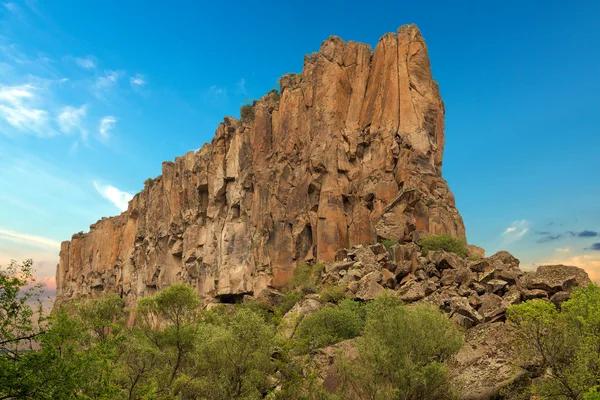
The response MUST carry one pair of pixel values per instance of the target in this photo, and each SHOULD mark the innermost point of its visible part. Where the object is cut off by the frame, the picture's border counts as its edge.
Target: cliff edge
(348, 152)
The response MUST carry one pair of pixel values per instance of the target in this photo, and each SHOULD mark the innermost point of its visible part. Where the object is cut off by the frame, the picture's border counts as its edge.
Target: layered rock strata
(348, 152)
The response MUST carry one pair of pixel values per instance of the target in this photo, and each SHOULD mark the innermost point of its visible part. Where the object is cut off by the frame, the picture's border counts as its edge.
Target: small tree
(247, 113)
(563, 344)
(401, 353)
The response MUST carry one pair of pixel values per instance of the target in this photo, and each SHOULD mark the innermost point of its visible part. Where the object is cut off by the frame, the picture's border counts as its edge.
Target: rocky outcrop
(475, 294)
(349, 152)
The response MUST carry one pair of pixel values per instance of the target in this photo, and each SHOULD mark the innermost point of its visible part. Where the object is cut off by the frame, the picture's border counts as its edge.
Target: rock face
(350, 152)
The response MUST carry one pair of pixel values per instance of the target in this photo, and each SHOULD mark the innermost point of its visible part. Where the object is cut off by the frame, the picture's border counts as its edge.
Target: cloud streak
(18, 108)
(138, 80)
(107, 124)
(118, 197)
(24, 238)
(86, 62)
(71, 120)
(516, 231)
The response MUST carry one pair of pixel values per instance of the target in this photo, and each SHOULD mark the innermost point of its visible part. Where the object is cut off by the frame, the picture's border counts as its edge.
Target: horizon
(79, 105)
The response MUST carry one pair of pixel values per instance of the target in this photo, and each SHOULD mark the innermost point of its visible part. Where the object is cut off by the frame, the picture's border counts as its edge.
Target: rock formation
(474, 292)
(349, 152)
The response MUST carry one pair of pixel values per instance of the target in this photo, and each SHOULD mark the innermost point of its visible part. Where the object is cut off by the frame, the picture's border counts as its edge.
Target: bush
(288, 302)
(402, 352)
(444, 242)
(306, 277)
(563, 344)
(329, 326)
(247, 113)
(388, 243)
(333, 294)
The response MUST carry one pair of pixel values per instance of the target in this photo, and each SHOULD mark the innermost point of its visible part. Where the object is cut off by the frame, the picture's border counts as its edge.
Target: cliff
(348, 152)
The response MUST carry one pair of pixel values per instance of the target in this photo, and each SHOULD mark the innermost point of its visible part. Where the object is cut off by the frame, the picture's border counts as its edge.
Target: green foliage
(332, 293)
(330, 325)
(563, 344)
(306, 278)
(290, 298)
(401, 354)
(247, 113)
(444, 242)
(388, 243)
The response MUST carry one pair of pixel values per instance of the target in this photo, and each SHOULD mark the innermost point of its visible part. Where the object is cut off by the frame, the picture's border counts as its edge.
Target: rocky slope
(475, 292)
(349, 152)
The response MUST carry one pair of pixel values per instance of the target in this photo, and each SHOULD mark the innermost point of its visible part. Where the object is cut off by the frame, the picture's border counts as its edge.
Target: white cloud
(564, 250)
(71, 120)
(17, 108)
(516, 231)
(106, 82)
(118, 197)
(137, 80)
(24, 238)
(106, 125)
(86, 62)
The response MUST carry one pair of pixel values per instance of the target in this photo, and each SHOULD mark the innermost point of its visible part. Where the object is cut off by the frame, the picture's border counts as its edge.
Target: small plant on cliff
(306, 278)
(444, 242)
(333, 293)
(247, 113)
(388, 243)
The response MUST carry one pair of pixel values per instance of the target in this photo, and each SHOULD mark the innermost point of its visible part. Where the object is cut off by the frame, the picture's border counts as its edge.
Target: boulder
(416, 290)
(369, 286)
(485, 363)
(445, 260)
(556, 278)
(496, 285)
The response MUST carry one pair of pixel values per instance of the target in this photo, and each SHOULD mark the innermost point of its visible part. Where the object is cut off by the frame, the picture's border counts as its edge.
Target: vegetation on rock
(444, 242)
(177, 349)
(561, 344)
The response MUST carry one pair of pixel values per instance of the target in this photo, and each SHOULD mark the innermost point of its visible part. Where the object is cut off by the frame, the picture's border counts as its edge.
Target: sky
(95, 95)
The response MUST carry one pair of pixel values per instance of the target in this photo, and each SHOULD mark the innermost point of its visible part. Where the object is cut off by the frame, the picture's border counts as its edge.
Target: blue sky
(95, 95)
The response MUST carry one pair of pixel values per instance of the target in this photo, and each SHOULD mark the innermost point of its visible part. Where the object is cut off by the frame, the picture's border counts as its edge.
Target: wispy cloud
(88, 62)
(138, 80)
(106, 82)
(24, 238)
(106, 125)
(18, 108)
(564, 250)
(118, 197)
(71, 120)
(516, 231)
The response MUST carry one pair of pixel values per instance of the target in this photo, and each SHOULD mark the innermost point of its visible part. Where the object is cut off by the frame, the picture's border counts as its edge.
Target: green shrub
(401, 353)
(247, 113)
(329, 326)
(388, 243)
(289, 300)
(333, 294)
(306, 278)
(444, 242)
(562, 342)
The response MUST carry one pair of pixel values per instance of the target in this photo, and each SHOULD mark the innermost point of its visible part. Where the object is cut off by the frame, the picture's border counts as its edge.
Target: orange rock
(349, 153)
